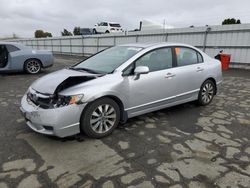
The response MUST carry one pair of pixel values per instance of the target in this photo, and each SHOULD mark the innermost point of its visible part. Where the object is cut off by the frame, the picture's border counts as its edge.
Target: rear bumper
(48, 61)
(218, 86)
(61, 122)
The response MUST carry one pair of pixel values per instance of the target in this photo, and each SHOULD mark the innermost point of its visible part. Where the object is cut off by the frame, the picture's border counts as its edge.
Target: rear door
(189, 72)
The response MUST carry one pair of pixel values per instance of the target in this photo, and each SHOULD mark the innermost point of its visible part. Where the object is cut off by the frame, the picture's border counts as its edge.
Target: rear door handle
(199, 69)
(169, 75)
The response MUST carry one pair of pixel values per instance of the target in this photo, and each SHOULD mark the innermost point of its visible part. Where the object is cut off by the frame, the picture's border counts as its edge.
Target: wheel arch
(123, 113)
(27, 59)
(214, 81)
(123, 116)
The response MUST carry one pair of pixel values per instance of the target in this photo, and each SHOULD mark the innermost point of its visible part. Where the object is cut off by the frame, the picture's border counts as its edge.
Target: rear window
(187, 56)
(200, 59)
(114, 25)
(11, 48)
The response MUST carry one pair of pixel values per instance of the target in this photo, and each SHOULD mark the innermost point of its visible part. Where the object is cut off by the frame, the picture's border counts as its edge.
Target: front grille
(43, 102)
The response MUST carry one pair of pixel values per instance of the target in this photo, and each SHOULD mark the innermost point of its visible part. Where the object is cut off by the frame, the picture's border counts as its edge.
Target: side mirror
(96, 24)
(141, 70)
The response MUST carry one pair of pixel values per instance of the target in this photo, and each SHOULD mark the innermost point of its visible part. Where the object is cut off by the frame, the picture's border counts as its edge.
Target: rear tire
(107, 31)
(94, 31)
(206, 93)
(32, 66)
(100, 118)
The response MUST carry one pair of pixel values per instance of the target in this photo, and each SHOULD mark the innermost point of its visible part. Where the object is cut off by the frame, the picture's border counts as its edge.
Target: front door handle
(169, 75)
(199, 69)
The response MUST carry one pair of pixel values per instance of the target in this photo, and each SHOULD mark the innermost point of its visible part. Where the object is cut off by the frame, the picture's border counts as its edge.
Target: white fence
(233, 39)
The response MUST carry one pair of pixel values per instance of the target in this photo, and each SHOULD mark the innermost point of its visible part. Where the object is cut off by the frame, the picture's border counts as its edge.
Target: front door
(3, 57)
(102, 27)
(155, 89)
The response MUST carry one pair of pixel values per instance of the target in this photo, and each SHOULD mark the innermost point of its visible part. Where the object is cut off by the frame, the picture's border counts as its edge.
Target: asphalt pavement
(182, 146)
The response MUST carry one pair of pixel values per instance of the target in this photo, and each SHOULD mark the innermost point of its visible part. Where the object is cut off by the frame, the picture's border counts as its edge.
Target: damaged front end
(55, 100)
(52, 101)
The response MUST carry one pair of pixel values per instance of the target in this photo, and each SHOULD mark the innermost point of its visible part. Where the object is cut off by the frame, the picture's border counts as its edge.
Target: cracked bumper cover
(61, 122)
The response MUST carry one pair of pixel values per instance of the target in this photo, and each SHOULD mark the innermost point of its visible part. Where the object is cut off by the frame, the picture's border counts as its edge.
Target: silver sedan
(16, 57)
(121, 82)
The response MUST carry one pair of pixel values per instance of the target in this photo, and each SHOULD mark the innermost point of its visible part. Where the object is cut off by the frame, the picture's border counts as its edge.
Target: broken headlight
(68, 100)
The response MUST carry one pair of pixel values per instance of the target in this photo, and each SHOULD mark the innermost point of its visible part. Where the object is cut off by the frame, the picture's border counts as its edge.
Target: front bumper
(61, 122)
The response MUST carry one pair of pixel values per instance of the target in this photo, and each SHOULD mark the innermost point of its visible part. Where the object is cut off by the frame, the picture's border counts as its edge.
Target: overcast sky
(23, 17)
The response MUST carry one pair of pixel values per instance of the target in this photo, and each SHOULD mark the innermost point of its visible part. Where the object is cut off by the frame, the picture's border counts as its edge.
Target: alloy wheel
(33, 66)
(103, 118)
(207, 93)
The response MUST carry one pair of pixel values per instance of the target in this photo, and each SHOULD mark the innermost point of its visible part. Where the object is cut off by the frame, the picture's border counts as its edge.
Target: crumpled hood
(48, 84)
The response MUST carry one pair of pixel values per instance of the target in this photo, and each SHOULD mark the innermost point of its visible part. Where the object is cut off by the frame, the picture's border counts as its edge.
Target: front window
(108, 60)
(103, 24)
(156, 60)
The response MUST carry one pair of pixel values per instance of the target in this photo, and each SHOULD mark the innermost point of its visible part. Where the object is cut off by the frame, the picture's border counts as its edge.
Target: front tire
(206, 93)
(100, 118)
(32, 66)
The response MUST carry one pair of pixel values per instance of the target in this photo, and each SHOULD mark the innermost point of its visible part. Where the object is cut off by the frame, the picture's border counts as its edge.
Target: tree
(65, 32)
(42, 34)
(238, 22)
(76, 31)
(38, 33)
(231, 21)
(47, 34)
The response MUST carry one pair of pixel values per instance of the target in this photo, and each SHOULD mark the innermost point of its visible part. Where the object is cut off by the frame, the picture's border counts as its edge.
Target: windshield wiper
(86, 70)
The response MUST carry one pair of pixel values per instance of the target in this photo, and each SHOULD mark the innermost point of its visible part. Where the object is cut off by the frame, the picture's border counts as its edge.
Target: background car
(107, 27)
(118, 83)
(17, 57)
(86, 31)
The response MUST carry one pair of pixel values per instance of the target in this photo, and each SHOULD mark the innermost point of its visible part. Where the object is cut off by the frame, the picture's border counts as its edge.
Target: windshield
(108, 60)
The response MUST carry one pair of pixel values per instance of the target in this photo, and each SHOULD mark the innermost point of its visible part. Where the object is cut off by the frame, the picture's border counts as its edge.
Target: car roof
(156, 44)
(109, 22)
(18, 45)
(7, 42)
